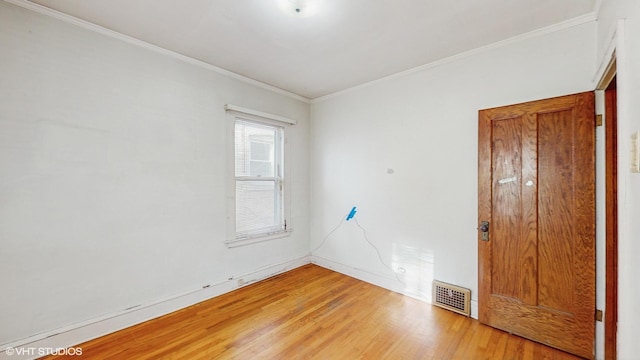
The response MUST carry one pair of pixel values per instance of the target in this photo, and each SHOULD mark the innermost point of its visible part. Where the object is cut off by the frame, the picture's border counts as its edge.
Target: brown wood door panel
(536, 187)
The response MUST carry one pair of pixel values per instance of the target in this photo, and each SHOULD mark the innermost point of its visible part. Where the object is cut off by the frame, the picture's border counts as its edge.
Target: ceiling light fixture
(299, 8)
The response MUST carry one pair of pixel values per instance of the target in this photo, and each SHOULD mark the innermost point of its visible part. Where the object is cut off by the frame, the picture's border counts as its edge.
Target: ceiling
(344, 44)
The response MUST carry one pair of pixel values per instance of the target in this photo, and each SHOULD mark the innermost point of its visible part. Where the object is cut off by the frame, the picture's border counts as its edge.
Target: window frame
(234, 114)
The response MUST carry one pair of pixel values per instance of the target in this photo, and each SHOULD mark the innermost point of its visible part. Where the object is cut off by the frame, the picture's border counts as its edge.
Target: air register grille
(452, 297)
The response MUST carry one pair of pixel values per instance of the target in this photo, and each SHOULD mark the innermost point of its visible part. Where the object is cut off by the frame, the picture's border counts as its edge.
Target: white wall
(112, 175)
(112, 168)
(423, 125)
(624, 36)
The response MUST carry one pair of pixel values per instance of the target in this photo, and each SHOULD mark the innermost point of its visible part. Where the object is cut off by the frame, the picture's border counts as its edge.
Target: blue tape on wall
(352, 213)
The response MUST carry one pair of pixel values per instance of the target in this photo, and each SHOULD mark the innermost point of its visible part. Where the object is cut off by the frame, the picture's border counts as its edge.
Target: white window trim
(236, 112)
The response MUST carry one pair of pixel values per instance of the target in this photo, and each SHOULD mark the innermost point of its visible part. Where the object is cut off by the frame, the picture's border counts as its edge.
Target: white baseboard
(388, 282)
(34, 346)
(385, 281)
(474, 309)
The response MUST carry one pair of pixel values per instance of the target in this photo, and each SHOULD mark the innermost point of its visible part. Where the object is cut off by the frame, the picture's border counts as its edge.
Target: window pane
(254, 149)
(261, 151)
(257, 206)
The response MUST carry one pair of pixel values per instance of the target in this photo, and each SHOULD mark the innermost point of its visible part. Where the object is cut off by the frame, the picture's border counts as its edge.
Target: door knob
(484, 229)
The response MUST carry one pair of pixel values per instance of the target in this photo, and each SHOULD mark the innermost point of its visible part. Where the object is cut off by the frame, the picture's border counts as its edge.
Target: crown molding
(114, 34)
(143, 44)
(512, 40)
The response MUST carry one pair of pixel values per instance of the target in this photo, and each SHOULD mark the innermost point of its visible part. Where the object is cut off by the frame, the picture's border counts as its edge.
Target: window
(259, 185)
(259, 195)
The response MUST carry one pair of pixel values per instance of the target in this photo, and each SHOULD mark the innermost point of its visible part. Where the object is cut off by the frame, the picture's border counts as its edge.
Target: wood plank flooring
(314, 313)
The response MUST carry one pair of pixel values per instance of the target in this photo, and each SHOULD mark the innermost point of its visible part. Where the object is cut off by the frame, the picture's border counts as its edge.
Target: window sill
(237, 242)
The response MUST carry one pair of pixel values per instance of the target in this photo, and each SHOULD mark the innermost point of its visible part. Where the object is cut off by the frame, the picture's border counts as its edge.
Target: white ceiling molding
(344, 45)
(532, 34)
(143, 44)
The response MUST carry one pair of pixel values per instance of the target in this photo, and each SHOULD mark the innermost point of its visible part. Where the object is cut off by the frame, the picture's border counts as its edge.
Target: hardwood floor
(314, 313)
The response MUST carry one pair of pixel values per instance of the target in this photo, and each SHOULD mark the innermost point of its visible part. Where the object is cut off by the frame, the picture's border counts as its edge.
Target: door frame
(608, 85)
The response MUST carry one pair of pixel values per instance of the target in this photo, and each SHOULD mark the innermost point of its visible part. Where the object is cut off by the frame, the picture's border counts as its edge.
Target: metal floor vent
(452, 297)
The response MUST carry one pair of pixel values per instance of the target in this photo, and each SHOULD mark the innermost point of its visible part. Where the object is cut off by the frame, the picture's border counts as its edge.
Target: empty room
(319, 179)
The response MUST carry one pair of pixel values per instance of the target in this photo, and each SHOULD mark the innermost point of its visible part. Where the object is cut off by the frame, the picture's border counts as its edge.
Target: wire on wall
(348, 217)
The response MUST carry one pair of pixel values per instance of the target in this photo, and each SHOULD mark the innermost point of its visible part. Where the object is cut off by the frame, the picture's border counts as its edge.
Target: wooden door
(536, 188)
